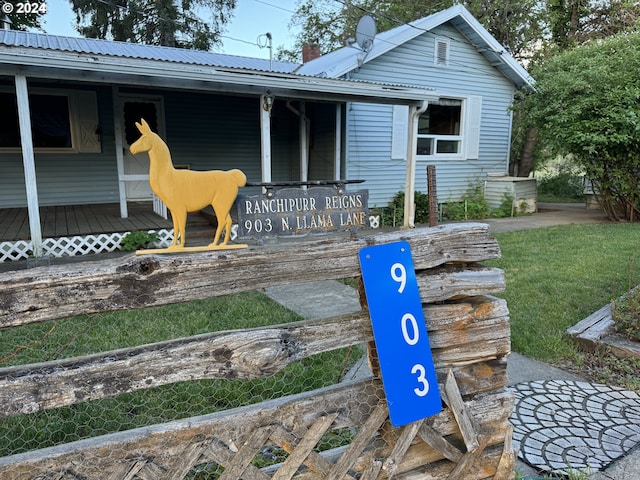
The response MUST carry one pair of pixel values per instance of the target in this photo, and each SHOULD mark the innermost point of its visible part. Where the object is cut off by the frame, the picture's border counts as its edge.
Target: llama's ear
(143, 127)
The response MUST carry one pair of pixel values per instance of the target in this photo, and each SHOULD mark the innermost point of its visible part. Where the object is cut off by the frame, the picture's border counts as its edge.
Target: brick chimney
(310, 51)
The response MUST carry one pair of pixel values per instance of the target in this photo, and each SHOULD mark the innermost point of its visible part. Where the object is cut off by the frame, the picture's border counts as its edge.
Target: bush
(563, 185)
(139, 239)
(472, 207)
(393, 214)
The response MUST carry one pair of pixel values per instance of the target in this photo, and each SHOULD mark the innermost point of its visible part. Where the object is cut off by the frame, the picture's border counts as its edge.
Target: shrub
(472, 207)
(564, 184)
(139, 239)
(393, 214)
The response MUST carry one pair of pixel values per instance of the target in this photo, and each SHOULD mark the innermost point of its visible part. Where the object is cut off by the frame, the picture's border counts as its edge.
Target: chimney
(310, 51)
(5, 22)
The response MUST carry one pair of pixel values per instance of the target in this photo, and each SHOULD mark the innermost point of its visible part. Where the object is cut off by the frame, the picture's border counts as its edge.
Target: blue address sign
(400, 332)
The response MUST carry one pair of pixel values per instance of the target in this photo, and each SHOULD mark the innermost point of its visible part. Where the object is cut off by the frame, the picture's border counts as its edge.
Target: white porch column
(265, 136)
(410, 182)
(304, 143)
(24, 120)
(338, 151)
(118, 129)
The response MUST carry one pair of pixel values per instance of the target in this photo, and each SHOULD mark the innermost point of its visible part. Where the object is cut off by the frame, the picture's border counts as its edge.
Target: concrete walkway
(560, 419)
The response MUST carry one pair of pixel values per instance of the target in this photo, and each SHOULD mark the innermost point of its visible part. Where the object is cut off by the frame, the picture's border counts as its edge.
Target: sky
(251, 20)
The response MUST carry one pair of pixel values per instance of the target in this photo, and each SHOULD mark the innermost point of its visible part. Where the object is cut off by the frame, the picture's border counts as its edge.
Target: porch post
(338, 151)
(266, 103)
(118, 129)
(304, 144)
(410, 183)
(24, 119)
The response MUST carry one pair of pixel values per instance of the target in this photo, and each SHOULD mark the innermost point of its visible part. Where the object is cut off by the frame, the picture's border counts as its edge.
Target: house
(465, 131)
(433, 92)
(69, 107)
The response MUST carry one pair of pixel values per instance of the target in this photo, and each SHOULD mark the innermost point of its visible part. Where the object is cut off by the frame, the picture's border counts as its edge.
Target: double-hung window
(439, 129)
(449, 129)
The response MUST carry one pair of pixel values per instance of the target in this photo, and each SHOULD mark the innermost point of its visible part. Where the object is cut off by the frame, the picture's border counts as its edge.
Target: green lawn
(557, 276)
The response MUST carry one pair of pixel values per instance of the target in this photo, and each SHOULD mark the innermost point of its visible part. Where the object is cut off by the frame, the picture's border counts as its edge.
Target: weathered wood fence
(469, 335)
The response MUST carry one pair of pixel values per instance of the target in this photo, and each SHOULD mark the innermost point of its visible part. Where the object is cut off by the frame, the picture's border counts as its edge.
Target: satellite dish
(366, 32)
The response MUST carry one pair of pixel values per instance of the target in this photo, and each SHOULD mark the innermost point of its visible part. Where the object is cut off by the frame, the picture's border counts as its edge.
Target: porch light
(268, 101)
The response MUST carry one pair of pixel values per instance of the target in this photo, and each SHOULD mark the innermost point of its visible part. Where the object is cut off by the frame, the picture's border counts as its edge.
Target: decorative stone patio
(563, 425)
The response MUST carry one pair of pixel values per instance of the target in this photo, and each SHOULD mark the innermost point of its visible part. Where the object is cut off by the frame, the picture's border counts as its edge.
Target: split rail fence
(469, 335)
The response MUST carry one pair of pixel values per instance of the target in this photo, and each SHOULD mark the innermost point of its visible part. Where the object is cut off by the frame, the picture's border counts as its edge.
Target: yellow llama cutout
(184, 191)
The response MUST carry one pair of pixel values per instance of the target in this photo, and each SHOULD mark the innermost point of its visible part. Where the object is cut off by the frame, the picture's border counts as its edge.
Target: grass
(559, 275)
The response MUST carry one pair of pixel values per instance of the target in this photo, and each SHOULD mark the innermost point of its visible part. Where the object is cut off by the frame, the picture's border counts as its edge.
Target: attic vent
(442, 52)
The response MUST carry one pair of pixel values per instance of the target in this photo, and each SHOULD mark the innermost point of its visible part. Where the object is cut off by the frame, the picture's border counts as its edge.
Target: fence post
(433, 195)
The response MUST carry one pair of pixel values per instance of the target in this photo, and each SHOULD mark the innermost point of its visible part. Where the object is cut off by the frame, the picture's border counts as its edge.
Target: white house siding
(468, 73)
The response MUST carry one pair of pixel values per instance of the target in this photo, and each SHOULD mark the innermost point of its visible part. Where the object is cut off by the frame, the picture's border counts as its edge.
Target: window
(59, 120)
(439, 128)
(448, 129)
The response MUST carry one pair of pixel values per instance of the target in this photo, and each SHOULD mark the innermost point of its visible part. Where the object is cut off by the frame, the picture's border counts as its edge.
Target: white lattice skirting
(71, 246)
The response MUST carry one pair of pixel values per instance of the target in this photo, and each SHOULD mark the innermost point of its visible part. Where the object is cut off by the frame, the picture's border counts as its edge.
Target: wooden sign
(296, 211)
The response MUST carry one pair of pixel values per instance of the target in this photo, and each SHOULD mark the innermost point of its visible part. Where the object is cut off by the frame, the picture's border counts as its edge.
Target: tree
(569, 23)
(20, 20)
(153, 22)
(587, 106)
(516, 24)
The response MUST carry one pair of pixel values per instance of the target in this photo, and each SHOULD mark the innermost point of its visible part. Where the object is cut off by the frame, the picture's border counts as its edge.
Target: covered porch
(272, 125)
(76, 229)
(70, 220)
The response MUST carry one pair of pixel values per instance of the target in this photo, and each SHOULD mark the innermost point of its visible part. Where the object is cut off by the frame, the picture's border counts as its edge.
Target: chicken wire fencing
(108, 332)
(237, 386)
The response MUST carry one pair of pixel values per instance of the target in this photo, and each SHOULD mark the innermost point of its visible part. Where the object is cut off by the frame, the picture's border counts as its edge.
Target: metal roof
(344, 60)
(93, 46)
(99, 61)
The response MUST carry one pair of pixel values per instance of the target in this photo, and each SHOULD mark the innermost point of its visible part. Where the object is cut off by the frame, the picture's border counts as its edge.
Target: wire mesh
(104, 332)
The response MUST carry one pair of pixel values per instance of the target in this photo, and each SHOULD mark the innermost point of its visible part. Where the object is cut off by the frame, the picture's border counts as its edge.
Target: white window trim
(469, 138)
(446, 43)
(83, 120)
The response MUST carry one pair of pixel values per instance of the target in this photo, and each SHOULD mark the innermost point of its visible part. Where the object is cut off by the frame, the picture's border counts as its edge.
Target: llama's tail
(239, 177)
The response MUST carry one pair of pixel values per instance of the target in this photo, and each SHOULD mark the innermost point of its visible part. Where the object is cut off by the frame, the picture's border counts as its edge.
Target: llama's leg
(218, 232)
(227, 229)
(176, 229)
(179, 226)
(221, 217)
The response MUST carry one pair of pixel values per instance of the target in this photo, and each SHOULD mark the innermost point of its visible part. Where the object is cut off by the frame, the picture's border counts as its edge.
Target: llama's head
(146, 141)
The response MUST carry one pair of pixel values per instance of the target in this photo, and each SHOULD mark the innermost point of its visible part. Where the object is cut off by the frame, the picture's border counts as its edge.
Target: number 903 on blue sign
(400, 332)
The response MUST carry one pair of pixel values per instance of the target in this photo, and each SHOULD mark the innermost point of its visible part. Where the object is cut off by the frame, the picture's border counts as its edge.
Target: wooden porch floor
(70, 220)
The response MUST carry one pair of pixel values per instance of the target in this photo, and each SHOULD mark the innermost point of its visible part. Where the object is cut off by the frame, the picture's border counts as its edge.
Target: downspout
(24, 118)
(410, 182)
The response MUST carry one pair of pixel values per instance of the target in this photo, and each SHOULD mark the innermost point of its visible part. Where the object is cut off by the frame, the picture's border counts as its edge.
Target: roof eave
(83, 67)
